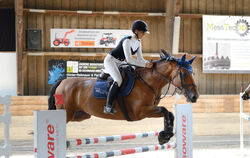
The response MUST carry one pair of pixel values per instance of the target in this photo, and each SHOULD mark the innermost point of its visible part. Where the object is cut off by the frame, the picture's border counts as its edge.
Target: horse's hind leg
(80, 115)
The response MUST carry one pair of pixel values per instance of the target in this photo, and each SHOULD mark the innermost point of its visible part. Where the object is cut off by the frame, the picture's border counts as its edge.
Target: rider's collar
(133, 37)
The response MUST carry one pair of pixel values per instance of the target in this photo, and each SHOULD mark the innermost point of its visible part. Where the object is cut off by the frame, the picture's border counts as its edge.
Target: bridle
(183, 86)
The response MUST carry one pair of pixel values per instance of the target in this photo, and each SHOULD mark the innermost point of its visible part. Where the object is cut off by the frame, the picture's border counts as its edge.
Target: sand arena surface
(214, 133)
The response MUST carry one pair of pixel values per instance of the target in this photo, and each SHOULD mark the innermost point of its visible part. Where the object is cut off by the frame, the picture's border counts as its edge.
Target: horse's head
(181, 75)
(246, 94)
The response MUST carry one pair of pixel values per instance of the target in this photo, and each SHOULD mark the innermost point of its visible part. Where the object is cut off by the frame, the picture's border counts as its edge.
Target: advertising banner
(226, 47)
(86, 38)
(61, 69)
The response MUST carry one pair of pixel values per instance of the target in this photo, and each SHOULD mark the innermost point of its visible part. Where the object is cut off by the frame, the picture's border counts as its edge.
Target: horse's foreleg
(164, 136)
(167, 133)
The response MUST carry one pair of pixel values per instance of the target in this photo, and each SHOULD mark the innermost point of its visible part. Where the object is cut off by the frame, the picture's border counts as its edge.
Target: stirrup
(109, 110)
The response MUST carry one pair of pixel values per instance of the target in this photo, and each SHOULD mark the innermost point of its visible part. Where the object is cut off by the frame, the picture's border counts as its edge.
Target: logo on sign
(184, 136)
(51, 140)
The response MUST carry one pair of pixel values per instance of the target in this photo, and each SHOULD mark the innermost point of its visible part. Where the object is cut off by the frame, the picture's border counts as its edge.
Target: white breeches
(111, 66)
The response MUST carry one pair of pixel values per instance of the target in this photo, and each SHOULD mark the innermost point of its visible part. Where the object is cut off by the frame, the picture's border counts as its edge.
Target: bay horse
(246, 93)
(142, 101)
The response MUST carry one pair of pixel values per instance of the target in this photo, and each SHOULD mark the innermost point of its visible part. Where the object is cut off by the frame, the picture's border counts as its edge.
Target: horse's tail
(51, 100)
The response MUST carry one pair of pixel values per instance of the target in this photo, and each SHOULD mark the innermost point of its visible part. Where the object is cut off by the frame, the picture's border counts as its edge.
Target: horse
(246, 93)
(143, 100)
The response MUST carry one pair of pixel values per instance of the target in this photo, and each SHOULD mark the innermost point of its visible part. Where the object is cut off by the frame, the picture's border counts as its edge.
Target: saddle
(104, 81)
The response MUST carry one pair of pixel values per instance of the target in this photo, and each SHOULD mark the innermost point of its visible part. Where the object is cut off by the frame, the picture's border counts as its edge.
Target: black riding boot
(108, 109)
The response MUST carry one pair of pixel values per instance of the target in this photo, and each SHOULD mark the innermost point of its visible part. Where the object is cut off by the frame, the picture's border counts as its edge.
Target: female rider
(127, 47)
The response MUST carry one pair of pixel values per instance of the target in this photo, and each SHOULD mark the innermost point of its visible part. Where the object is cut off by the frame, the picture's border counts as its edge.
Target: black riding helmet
(140, 25)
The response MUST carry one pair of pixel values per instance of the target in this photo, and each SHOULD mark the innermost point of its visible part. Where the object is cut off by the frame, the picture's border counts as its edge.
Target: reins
(157, 96)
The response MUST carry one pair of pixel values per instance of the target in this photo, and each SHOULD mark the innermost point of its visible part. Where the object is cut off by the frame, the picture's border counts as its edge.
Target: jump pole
(50, 136)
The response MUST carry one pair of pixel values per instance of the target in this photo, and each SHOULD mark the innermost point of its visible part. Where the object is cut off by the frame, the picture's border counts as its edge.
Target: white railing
(243, 116)
(6, 119)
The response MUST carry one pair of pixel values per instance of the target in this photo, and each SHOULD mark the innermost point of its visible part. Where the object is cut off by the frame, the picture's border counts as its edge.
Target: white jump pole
(6, 150)
(50, 135)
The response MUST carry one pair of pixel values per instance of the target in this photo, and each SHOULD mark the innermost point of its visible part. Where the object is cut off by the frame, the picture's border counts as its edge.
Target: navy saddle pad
(101, 88)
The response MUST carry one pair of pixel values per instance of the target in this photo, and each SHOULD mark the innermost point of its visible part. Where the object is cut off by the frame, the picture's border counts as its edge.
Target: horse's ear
(183, 58)
(191, 60)
(165, 53)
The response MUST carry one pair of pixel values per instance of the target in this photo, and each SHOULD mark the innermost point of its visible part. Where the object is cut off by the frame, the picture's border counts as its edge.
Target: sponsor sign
(50, 134)
(61, 69)
(226, 46)
(184, 135)
(86, 38)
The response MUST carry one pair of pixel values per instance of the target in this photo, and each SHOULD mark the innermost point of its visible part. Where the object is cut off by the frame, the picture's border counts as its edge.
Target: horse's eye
(185, 75)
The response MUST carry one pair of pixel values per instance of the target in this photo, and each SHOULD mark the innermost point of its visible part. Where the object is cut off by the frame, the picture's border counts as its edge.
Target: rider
(127, 47)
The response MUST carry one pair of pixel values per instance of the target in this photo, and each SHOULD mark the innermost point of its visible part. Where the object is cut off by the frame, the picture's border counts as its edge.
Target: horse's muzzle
(191, 96)
(245, 96)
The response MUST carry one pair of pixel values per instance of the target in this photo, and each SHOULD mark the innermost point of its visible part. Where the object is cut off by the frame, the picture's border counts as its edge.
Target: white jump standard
(6, 150)
(243, 116)
(50, 136)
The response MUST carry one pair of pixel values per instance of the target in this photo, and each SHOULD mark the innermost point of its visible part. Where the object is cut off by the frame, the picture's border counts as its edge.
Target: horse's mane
(165, 56)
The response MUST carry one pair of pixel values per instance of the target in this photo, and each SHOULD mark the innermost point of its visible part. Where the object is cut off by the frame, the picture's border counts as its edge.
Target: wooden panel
(239, 5)
(48, 26)
(201, 77)
(246, 7)
(224, 84)
(31, 3)
(99, 5)
(210, 6)
(232, 84)
(40, 4)
(202, 6)
(40, 68)
(196, 36)
(232, 7)
(25, 105)
(107, 5)
(32, 75)
(217, 7)
(161, 36)
(187, 6)
(194, 6)
(74, 4)
(217, 84)
(154, 36)
(40, 25)
(91, 5)
(25, 74)
(83, 5)
(57, 4)
(187, 35)
(238, 85)
(131, 6)
(48, 4)
(224, 9)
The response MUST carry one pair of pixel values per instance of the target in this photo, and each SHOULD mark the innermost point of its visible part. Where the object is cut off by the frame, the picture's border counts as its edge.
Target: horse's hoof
(165, 136)
(67, 144)
(108, 110)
